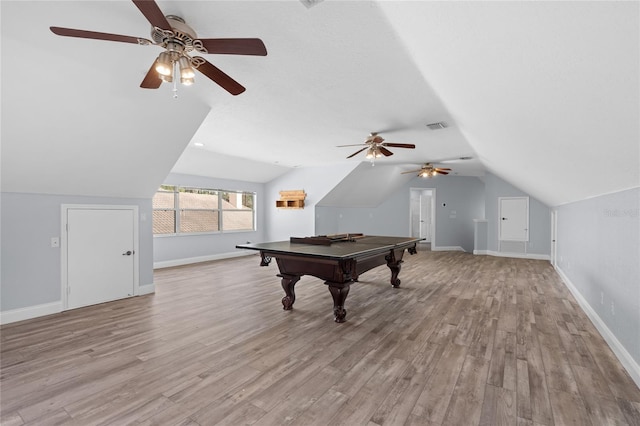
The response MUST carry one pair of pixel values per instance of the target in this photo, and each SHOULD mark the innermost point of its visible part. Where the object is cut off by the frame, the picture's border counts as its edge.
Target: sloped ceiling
(70, 123)
(543, 94)
(366, 186)
(547, 93)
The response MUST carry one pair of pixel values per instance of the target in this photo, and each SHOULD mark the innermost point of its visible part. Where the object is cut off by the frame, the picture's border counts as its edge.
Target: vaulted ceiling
(545, 95)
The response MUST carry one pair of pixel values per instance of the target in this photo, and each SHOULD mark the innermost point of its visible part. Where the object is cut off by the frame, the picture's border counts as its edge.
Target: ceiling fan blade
(152, 12)
(357, 152)
(235, 46)
(399, 145)
(222, 79)
(70, 32)
(385, 151)
(152, 80)
(442, 173)
(442, 168)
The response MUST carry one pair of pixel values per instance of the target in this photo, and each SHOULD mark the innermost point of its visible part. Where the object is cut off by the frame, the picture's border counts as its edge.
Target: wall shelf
(291, 199)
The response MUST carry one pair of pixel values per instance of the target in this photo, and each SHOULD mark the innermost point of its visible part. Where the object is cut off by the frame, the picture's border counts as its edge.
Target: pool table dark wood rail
(338, 265)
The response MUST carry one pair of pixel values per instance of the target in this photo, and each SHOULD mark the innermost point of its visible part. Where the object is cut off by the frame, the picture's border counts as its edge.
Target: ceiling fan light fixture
(186, 71)
(166, 78)
(373, 152)
(165, 65)
(187, 81)
(370, 153)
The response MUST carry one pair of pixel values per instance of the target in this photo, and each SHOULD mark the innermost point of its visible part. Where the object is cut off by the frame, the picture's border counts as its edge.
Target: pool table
(339, 262)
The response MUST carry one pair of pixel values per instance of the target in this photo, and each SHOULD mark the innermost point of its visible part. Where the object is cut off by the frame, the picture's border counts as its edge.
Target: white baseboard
(146, 289)
(30, 312)
(618, 349)
(446, 248)
(190, 260)
(21, 314)
(516, 255)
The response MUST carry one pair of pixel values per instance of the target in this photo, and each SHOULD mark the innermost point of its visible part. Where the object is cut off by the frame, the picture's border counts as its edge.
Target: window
(184, 210)
(237, 211)
(199, 210)
(164, 211)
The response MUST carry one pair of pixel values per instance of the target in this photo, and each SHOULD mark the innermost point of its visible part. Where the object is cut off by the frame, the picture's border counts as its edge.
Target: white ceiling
(542, 94)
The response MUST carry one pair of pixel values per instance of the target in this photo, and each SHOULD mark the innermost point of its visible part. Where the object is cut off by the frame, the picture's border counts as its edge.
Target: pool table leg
(394, 265)
(288, 283)
(339, 292)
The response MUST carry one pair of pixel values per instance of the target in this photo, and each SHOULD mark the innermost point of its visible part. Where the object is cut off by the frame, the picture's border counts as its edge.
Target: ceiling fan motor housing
(180, 34)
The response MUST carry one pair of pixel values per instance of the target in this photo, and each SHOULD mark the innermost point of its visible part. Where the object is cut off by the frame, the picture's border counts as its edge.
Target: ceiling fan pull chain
(175, 80)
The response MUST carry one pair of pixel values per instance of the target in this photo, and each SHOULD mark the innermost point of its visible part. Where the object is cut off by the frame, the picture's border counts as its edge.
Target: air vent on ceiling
(310, 3)
(438, 125)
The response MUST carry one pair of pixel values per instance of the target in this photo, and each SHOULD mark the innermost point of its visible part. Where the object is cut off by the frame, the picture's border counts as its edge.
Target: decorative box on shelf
(291, 199)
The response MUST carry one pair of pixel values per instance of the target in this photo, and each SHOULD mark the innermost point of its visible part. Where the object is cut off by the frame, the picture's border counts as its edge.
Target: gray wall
(31, 268)
(539, 216)
(176, 248)
(316, 182)
(599, 253)
(465, 195)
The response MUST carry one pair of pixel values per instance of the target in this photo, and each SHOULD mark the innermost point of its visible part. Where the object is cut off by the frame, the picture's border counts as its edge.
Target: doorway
(422, 220)
(99, 254)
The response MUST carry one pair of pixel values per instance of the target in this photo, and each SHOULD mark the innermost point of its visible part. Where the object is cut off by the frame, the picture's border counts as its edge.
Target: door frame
(554, 237)
(433, 212)
(64, 279)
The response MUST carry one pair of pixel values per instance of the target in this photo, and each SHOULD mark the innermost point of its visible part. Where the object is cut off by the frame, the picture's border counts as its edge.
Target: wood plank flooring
(465, 340)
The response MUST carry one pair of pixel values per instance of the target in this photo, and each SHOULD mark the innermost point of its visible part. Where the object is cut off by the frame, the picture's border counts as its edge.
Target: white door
(100, 255)
(514, 219)
(421, 211)
(425, 217)
(415, 214)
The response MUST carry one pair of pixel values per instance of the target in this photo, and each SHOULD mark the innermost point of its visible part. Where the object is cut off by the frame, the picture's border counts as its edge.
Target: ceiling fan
(428, 170)
(178, 40)
(375, 146)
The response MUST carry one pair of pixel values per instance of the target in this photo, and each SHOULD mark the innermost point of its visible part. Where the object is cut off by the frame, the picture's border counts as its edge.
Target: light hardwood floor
(465, 340)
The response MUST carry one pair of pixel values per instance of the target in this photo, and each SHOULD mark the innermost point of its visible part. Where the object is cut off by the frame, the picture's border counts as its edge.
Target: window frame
(219, 210)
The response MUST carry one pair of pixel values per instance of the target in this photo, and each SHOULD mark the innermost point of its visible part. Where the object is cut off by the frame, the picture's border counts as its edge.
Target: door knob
(128, 253)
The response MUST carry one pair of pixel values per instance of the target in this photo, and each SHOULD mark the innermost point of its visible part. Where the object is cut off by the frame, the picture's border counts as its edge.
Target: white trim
(30, 312)
(147, 289)
(554, 238)
(618, 349)
(190, 260)
(446, 248)
(516, 255)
